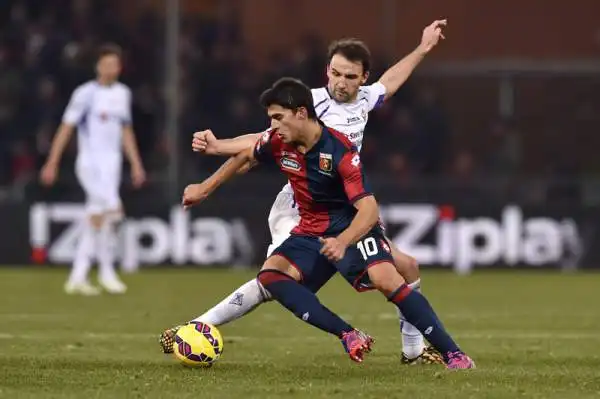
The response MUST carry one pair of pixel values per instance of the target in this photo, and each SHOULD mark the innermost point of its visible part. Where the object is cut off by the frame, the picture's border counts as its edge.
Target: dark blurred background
(507, 107)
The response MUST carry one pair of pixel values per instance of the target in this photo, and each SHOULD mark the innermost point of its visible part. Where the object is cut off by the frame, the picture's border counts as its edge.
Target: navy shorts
(303, 253)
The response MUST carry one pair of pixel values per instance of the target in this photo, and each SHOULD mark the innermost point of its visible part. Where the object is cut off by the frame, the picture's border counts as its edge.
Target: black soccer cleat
(167, 338)
(429, 356)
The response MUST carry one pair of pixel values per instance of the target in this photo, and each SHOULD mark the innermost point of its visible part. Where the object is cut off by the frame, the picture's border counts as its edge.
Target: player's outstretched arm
(194, 194)
(206, 142)
(395, 77)
(49, 171)
(138, 174)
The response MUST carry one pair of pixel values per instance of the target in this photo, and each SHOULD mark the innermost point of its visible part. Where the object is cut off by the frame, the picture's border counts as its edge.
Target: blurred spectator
(432, 122)
(504, 149)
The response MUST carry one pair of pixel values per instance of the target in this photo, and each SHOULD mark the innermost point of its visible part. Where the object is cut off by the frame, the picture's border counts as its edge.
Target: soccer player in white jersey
(100, 110)
(343, 105)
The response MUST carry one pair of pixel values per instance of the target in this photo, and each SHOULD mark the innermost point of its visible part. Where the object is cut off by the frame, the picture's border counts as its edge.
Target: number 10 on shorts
(367, 247)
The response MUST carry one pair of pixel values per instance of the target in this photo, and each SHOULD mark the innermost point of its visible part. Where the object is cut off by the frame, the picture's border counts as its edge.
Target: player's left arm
(353, 177)
(355, 185)
(262, 152)
(130, 147)
(395, 76)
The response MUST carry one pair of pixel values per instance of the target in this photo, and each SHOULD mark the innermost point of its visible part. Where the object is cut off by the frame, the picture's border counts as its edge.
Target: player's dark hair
(109, 49)
(352, 49)
(291, 94)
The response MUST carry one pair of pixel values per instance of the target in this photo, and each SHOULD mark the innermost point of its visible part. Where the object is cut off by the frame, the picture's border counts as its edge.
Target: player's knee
(267, 277)
(385, 278)
(406, 265)
(282, 265)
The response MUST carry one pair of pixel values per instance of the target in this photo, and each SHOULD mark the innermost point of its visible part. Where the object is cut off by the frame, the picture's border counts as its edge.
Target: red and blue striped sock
(302, 302)
(418, 312)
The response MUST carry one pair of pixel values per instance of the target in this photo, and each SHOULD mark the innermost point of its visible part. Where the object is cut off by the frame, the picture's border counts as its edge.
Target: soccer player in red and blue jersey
(338, 225)
(343, 104)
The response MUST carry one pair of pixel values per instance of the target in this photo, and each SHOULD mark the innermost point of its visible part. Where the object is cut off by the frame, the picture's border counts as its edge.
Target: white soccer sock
(241, 302)
(106, 252)
(413, 342)
(83, 254)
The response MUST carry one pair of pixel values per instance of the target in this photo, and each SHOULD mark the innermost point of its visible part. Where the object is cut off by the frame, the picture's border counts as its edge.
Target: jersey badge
(325, 162)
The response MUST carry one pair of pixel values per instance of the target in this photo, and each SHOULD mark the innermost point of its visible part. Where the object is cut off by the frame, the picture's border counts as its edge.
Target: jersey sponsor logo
(434, 235)
(290, 164)
(325, 162)
(353, 119)
(355, 135)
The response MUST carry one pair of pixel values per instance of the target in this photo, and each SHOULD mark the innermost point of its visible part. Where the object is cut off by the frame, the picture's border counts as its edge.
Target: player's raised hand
(48, 174)
(432, 35)
(194, 194)
(332, 248)
(204, 142)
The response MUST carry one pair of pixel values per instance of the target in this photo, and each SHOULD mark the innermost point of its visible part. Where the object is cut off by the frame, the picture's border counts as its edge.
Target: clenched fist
(333, 249)
(204, 142)
(193, 195)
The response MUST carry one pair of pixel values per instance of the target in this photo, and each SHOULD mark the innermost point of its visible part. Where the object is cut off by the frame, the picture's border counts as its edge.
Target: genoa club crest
(325, 162)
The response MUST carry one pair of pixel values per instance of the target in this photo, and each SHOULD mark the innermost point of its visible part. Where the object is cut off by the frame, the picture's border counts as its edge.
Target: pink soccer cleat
(356, 343)
(459, 360)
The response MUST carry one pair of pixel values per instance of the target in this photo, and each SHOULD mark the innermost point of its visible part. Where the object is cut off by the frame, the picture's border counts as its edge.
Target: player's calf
(418, 312)
(413, 343)
(301, 302)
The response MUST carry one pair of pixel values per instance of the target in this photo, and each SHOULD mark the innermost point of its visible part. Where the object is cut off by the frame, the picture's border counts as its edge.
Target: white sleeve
(320, 99)
(375, 94)
(79, 104)
(127, 111)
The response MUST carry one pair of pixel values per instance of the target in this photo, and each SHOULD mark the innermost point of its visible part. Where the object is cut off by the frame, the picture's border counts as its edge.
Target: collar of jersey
(319, 144)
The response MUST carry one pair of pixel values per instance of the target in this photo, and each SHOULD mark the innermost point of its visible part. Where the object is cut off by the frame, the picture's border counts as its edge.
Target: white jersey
(99, 112)
(349, 118)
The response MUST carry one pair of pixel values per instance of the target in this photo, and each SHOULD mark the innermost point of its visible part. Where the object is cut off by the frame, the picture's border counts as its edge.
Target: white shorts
(100, 182)
(283, 218)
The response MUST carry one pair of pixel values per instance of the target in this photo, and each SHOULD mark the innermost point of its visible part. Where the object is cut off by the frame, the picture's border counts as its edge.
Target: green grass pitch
(533, 335)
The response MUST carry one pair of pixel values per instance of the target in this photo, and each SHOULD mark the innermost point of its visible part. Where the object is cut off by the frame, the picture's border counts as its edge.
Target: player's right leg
(414, 350)
(289, 273)
(110, 178)
(418, 312)
(78, 280)
(369, 264)
(283, 217)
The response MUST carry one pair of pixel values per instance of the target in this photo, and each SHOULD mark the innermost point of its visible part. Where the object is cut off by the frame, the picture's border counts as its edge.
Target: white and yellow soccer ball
(198, 344)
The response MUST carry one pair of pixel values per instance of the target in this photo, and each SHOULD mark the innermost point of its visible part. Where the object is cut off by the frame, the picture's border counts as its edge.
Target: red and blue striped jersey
(326, 181)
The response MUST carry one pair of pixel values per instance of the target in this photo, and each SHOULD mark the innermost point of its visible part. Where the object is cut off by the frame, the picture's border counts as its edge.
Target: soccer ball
(198, 344)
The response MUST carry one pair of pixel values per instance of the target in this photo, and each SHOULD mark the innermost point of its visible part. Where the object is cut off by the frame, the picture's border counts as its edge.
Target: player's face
(289, 124)
(344, 78)
(109, 68)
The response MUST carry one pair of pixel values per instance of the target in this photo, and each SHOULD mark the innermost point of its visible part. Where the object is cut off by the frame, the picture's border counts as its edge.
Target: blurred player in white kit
(100, 110)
